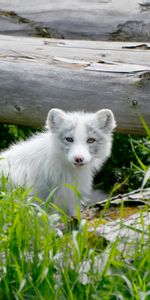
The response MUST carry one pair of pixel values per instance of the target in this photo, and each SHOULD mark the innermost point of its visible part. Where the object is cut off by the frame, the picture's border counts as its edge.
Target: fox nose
(79, 159)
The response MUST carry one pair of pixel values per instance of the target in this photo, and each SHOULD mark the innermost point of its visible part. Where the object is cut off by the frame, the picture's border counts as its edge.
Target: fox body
(73, 147)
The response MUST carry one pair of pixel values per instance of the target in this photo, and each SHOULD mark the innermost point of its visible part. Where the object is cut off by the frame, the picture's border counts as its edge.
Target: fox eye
(91, 140)
(69, 139)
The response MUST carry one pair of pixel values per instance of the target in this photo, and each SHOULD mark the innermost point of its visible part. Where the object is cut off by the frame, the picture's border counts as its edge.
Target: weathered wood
(37, 74)
(127, 219)
(78, 19)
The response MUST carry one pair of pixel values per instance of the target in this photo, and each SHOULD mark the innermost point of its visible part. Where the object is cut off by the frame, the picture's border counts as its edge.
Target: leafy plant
(12, 133)
(141, 150)
(123, 168)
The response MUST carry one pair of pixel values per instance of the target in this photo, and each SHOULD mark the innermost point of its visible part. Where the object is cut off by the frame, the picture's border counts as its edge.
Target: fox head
(83, 137)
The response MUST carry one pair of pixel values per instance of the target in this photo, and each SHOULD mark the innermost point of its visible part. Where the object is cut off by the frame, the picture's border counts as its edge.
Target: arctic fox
(73, 147)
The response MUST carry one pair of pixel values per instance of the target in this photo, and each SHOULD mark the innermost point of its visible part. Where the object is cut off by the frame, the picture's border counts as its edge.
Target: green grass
(44, 257)
(40, 260)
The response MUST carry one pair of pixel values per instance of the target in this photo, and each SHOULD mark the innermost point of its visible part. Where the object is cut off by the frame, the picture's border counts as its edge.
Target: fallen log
(37, 74)
(76, 19)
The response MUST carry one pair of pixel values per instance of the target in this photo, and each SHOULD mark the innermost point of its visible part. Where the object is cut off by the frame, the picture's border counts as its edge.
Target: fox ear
(55, 118)
(106, 120)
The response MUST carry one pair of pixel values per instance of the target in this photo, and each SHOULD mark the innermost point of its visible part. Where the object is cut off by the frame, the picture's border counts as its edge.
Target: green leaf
(147, 129)
(146, 177)
(138, 159)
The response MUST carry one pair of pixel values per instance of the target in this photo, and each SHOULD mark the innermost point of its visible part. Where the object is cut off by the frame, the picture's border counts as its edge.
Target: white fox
(73, 147)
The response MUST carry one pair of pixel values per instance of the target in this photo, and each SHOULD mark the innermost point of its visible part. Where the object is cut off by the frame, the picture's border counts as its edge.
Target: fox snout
(79, 155)
(78, 160)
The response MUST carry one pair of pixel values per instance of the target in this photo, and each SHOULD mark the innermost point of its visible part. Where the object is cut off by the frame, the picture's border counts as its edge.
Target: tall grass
(40, 258)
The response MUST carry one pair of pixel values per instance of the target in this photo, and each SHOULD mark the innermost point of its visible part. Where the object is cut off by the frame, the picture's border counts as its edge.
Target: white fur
(47, 160)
